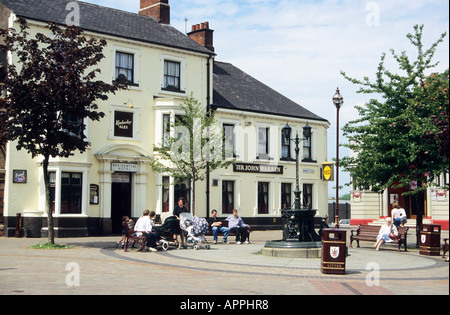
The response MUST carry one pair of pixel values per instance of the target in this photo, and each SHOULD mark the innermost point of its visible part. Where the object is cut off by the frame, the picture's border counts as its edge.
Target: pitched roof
(107, 21)
(236, 90)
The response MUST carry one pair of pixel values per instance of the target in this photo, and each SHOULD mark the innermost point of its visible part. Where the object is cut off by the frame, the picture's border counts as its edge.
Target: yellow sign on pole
(327, 172)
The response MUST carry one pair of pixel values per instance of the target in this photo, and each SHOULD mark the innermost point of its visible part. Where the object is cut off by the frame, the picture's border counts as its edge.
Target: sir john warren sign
(257, 168)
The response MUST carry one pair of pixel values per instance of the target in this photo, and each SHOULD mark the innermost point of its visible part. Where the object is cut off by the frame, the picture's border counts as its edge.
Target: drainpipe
(208, 108)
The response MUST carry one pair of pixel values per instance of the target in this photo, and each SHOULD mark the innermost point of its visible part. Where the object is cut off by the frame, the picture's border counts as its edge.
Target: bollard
(18, 233)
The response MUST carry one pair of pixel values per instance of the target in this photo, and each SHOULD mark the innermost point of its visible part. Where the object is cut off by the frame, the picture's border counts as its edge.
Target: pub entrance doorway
(121, 194)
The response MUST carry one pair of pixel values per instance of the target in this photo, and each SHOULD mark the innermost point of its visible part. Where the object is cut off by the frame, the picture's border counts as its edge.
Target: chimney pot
(203, 35)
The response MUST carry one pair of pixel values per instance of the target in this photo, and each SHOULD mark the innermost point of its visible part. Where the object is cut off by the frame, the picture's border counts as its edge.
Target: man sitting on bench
(218, 226)
(237, 225)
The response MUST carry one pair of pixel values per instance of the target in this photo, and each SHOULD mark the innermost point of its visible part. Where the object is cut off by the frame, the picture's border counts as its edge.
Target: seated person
(237, 225)
(216, 226)
(399, 216)
(144, 227)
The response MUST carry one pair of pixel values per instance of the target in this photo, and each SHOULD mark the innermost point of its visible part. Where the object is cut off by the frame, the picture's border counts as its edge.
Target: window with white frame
(263, 143)
(126, 65)
(71, 192)
(263, 197)
(229, 142)
(172, 75)
(166, 131)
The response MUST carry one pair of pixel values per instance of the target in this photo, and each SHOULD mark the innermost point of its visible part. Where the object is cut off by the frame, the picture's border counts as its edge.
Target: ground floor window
(286, 196)
(166, 193)
(308, 195)
(263, 198)
(227, 197)
(71, 192)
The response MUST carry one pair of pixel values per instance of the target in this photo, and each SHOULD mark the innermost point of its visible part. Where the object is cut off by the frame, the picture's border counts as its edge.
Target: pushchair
(165, 232)
(196, 229)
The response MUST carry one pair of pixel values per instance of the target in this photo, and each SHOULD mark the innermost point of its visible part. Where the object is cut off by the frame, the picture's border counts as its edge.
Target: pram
(166, 231)
(196, 229)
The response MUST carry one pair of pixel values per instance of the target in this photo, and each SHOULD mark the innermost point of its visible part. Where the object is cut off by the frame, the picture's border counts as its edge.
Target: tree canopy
(400, 137)
(51, 90)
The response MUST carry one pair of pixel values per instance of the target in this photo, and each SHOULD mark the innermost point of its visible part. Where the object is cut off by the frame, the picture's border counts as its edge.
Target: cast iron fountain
(299, 236)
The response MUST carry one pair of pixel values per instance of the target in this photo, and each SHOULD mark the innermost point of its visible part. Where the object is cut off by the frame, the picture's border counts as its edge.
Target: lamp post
(338, 101)
(287, 130)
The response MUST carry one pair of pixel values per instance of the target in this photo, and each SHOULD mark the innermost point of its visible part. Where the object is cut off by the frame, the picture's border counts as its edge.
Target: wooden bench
(445, 247)
(370, 233)
(132, 239)
(224, 224)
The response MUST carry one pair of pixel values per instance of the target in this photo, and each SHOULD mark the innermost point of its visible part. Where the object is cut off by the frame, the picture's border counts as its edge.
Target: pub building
(92, 191)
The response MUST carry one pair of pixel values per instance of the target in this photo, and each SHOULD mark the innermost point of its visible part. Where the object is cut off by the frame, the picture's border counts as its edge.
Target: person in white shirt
(387, 232)
(144, 227)
(399, 215)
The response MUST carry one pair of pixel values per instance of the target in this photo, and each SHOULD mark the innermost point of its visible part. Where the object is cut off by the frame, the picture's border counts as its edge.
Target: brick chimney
(159, 9)
(203, 35)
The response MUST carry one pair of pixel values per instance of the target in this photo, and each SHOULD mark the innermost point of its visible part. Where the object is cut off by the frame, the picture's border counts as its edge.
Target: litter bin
(430, 240)
(334, 251)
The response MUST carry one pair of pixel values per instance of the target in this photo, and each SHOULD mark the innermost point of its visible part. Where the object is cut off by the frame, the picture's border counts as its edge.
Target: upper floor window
(263, 143)
(229, 146)
(166, 131)
(285, 146)
(172, 75)
(125, 67)
(307, 150)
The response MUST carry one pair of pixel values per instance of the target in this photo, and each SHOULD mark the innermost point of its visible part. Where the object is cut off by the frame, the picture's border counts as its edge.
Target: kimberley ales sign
(257, 168)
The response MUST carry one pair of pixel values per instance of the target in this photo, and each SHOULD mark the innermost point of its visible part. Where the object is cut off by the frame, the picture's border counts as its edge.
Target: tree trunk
(193, 195)
(51, 229)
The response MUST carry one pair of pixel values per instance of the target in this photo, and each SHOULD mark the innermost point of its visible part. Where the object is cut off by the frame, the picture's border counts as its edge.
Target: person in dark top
(180, 208)
(216, 226)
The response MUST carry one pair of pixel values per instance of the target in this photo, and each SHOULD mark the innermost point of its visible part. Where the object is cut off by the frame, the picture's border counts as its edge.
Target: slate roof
(236, 90)
(107, 21)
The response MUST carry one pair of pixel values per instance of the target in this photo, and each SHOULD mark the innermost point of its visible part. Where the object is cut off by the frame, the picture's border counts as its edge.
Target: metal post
(297, 191)
(337, 225)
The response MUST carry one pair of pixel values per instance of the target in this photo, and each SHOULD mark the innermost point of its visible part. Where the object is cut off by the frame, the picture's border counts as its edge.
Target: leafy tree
(388, 138)
(51, 90)
(398, 140)
(194, 149)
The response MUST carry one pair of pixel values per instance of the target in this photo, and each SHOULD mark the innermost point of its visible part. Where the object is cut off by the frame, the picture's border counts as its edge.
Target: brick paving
(223, 270)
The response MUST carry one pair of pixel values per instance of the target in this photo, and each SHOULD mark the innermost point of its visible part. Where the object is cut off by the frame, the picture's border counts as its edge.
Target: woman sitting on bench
(387, 232)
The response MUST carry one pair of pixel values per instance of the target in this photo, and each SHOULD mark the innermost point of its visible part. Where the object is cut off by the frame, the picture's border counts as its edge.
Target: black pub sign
(258, 168)
(123, 124)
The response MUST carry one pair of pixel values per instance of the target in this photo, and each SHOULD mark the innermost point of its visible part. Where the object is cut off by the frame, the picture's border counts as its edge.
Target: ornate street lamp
(287, 130)
(338, 101)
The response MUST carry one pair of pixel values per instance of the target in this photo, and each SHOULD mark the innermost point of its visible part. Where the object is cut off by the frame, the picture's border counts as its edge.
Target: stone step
(411, 222)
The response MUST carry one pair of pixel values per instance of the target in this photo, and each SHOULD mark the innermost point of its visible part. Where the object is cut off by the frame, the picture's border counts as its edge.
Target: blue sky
(299, 47)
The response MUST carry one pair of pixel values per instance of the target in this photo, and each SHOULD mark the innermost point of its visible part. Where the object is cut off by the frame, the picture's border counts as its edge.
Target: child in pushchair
(196, 229)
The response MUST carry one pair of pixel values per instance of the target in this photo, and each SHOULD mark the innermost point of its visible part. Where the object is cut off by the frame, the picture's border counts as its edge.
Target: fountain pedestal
(300, 239)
